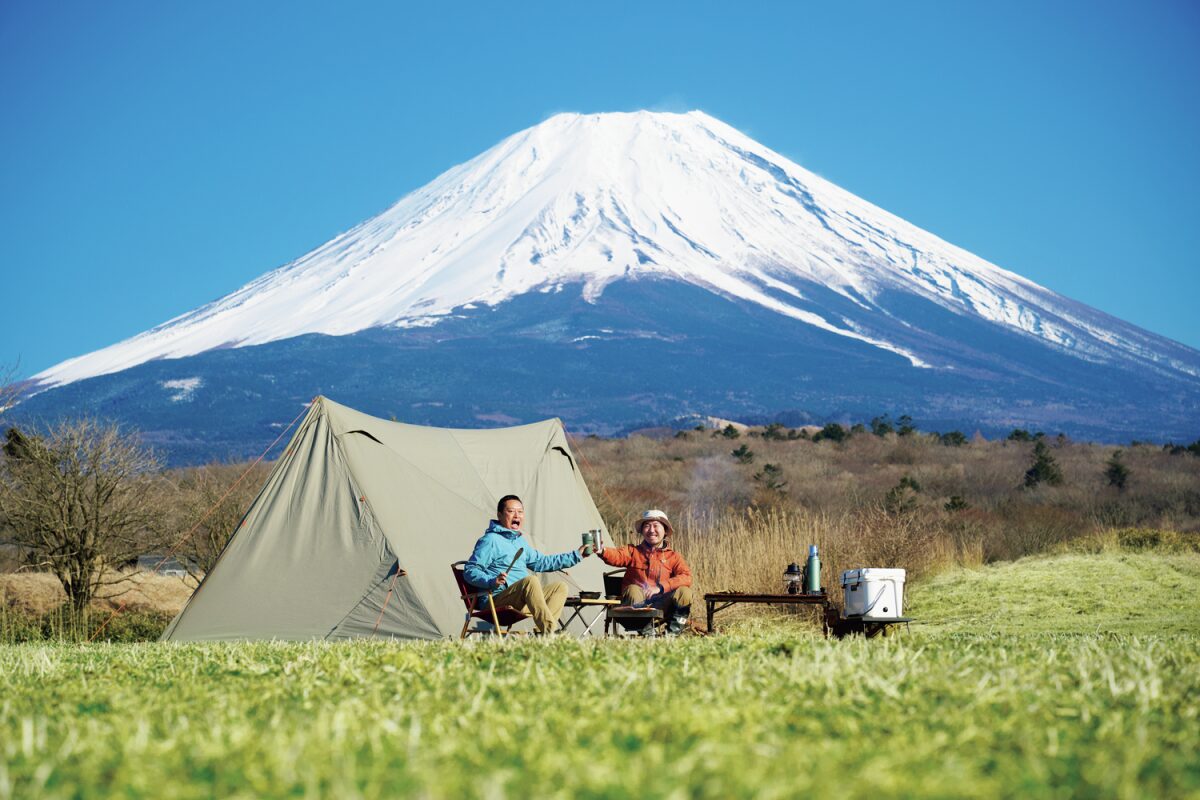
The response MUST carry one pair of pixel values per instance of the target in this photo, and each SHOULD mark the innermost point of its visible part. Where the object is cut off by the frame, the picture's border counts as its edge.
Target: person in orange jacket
(655, 574)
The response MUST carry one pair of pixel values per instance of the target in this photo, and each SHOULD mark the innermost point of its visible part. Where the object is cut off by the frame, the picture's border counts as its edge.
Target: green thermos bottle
(812, 572)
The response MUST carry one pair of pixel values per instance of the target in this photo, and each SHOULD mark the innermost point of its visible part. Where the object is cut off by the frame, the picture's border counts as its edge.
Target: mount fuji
(629, 268)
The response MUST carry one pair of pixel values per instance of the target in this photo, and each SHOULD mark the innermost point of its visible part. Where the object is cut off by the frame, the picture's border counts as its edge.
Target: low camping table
(578, 604)
(718, 601)
(623, 618)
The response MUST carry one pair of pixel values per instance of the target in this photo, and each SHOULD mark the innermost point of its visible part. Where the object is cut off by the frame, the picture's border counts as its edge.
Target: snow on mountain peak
(590, 199)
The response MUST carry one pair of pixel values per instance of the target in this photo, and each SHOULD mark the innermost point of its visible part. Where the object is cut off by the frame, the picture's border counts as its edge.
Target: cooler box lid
(872, 574)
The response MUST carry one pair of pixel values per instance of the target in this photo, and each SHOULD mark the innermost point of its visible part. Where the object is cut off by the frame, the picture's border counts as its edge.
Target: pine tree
(1044, 469)
(743, 454)
(902, 497)
(771, 476)
(1116, 472)
(957, 503)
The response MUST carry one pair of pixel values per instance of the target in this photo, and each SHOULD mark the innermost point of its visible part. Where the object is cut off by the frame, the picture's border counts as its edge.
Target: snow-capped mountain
(628, 227)
(590, 199)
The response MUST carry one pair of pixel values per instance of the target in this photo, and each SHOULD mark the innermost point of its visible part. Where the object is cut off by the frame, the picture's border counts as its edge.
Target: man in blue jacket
(517, 588)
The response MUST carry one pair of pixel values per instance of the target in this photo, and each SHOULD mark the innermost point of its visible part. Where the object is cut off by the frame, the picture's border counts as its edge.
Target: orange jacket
(644, 566)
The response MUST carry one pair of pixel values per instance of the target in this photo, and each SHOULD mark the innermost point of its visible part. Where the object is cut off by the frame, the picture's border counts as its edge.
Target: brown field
(739, 534)
(38, 593)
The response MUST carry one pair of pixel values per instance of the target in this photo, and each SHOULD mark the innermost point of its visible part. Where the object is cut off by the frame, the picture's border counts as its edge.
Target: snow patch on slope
(184, 389)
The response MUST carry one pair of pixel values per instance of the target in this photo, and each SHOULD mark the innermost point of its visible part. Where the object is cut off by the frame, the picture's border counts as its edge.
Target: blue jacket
(496, 548)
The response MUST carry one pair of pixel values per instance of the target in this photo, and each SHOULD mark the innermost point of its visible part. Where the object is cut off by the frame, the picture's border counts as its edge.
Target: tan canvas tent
(354, 499)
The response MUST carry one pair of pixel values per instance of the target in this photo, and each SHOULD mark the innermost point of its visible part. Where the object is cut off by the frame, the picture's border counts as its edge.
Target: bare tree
(10, 388)
(80, 501)
(212, 500)
(9, 550)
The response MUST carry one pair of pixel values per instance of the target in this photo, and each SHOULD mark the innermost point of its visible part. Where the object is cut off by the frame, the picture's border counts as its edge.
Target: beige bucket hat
(653, 514)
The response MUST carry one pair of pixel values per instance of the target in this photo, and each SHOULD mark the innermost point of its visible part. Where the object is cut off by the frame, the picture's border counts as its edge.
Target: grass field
(1018, 681)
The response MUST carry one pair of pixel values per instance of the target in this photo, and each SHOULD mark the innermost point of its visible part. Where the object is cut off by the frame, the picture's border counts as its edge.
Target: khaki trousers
(544, 604)
(676, 601)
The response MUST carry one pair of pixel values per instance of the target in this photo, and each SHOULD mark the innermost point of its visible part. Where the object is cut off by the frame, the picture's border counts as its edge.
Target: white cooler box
(873, 592)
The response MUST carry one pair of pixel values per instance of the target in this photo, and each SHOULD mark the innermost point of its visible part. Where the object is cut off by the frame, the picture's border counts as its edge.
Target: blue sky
(157, 155)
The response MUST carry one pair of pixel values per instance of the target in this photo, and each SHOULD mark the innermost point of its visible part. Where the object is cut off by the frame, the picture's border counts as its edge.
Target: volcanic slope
(590, 251)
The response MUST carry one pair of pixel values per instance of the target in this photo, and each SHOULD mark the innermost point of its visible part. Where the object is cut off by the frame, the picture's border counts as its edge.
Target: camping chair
(625, 617)
(480, 606)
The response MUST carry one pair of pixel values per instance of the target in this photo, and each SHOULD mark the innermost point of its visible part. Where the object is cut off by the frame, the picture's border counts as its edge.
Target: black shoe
(677, 625)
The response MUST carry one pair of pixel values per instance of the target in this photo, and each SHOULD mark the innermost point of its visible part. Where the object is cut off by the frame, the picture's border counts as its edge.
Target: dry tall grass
(748, 551)
(739, 535)
(37, 593)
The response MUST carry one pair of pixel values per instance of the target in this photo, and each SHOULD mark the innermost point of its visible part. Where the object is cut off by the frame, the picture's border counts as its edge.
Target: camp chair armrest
(472, 598)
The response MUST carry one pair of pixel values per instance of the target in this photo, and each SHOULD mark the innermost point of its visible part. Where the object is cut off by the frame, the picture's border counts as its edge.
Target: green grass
(993, 694)
(1118, 591)
(59, 624)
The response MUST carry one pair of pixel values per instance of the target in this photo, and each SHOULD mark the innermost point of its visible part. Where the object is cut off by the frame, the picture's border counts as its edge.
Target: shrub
(16, 627)
(1031, 529)
(743, 454)
(774, 432)
(64, 624)
(953, 439)
(1178, 450)
(833, 432)
(882, 426)
(1154, 539)
(135, 626)
(730, 432)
